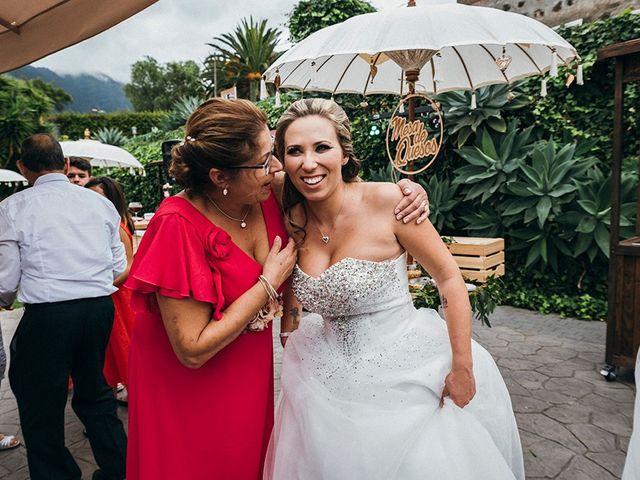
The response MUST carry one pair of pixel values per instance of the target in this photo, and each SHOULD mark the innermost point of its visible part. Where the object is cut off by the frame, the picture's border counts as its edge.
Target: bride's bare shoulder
(382, 195)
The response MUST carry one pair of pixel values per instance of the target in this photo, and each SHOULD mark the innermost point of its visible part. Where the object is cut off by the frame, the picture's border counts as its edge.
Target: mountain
(89, 91)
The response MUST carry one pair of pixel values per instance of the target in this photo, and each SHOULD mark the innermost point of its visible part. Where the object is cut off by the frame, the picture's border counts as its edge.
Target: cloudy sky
(170, 30)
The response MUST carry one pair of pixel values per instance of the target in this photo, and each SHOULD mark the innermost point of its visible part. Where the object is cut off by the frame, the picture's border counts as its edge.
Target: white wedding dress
(361, 384)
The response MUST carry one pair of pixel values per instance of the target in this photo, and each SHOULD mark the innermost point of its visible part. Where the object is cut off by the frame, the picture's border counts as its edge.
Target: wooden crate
(478, 257)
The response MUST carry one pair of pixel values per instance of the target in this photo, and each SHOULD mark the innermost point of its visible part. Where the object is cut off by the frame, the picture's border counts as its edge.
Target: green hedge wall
(72, 125)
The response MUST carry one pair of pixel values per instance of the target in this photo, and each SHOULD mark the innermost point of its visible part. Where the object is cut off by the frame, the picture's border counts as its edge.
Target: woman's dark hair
(331, 111)
(219, 134)
(42, 152)
(114, 192)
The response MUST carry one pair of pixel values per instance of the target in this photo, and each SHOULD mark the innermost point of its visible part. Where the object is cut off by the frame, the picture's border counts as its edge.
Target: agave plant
(110, 136)
(589, 218)
(182, 110)
(494, 162)
(545, 245)
(462, 120)
(442, 201)
(549, 182)
(483, 221)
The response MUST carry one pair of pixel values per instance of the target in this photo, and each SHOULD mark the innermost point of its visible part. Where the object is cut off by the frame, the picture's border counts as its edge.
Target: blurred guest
(79, 171)
(68, 311)
(116, 362)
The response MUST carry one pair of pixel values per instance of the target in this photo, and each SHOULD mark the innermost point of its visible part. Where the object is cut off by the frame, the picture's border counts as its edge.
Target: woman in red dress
(201, 369)
(116, 361)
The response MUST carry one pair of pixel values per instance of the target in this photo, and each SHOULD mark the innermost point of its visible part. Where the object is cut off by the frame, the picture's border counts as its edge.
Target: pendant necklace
(243, 223)
(326, 238)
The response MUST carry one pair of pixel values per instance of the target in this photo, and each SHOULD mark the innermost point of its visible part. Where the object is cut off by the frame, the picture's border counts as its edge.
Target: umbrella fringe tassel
(553, 70)
(278, 102)
(264, 94)
(474, 102)
(579, 76)
(543, 88)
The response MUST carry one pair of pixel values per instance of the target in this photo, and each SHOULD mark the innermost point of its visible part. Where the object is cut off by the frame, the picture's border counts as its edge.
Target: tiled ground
(573, 424)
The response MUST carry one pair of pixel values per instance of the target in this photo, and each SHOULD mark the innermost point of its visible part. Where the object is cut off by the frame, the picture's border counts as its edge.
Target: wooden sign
(413, 145)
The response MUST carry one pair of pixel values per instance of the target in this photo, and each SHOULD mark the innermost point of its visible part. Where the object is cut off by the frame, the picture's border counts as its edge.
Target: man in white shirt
(60, 245)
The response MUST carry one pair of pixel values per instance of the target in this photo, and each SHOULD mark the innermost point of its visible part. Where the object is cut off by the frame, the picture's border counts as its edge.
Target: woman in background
(116, 362)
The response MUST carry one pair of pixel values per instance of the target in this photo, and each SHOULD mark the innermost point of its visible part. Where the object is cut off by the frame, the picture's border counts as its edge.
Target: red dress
(116, 359)
(213, 422)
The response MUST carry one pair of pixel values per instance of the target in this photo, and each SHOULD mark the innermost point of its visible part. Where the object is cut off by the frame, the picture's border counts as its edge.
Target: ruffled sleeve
(174, 260)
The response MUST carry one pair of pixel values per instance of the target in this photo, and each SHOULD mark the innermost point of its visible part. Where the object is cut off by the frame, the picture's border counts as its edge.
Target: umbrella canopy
(32, 29)
(452, 46)
(100, 154)
(9, 176)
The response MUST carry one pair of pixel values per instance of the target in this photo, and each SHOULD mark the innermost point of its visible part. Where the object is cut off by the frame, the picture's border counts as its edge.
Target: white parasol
(440, 47)
(11, 177)
(100, 154)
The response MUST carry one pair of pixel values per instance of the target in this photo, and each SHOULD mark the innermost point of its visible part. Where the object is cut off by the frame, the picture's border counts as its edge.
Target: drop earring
(225, 191)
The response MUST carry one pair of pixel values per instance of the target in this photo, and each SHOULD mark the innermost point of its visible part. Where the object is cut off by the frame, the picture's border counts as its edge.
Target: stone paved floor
(573, 424)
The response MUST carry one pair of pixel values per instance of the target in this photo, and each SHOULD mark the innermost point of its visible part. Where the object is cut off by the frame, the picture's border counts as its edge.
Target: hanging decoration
(412, 146)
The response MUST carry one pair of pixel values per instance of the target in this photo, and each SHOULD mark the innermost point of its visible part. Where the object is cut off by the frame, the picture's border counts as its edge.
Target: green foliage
(246, 52)
(309, 16)
(110, 136)
(557, 293)
(443, 199)
(268, 106)
(493, 162)
(72, 125)
(484, 299)
(23, 106)
(156, 87)
(144, 189)
(587, 111)
(493, 102)
(181, 111)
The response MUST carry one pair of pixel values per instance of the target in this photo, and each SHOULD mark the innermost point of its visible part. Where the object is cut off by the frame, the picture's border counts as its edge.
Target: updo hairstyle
(219, 133)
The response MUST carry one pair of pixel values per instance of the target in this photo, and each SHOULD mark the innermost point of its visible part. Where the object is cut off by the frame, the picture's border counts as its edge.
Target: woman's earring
(225, 191)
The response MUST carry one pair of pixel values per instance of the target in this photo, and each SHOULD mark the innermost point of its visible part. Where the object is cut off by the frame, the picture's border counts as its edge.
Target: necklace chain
(243, 223)
(327, 238)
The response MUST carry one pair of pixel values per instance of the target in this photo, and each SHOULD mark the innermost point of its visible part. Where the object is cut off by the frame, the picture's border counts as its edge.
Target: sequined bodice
(353, 287)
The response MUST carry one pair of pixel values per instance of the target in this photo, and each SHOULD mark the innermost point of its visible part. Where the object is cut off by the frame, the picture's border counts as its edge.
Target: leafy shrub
(72, 125)
(110, 136)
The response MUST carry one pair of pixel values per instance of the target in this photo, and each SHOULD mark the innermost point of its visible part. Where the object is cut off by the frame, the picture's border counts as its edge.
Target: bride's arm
(424, 243)
(292, 312)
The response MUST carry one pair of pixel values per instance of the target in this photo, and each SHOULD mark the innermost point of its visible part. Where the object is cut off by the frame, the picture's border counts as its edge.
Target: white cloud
(170, 30)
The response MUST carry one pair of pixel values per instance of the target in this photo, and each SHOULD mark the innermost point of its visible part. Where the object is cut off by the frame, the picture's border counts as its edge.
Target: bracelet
(271, 292)
(285, 334)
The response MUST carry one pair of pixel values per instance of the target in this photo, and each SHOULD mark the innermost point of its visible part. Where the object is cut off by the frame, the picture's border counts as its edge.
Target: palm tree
(246, 52)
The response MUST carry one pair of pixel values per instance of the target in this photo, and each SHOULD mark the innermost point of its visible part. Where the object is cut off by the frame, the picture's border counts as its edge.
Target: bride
(371, 387)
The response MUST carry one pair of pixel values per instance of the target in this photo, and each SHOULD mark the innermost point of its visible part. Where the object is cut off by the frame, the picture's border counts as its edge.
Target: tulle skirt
(360, 400)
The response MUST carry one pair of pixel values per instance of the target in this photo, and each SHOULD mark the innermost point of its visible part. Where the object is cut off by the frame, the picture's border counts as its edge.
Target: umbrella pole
(412, 77)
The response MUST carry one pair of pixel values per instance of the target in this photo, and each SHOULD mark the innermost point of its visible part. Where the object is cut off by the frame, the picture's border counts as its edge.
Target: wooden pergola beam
(11, 26)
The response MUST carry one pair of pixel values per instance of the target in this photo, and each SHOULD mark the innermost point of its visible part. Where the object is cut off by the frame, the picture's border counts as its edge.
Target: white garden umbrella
(11, 177)
(100, 154)
(444, 45)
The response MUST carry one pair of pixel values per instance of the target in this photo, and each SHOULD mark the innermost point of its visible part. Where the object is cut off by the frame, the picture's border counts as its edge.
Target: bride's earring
(225, 191)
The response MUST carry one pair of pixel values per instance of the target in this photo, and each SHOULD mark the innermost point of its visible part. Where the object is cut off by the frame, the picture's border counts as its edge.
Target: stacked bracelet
(271, 292)
(285, 334)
